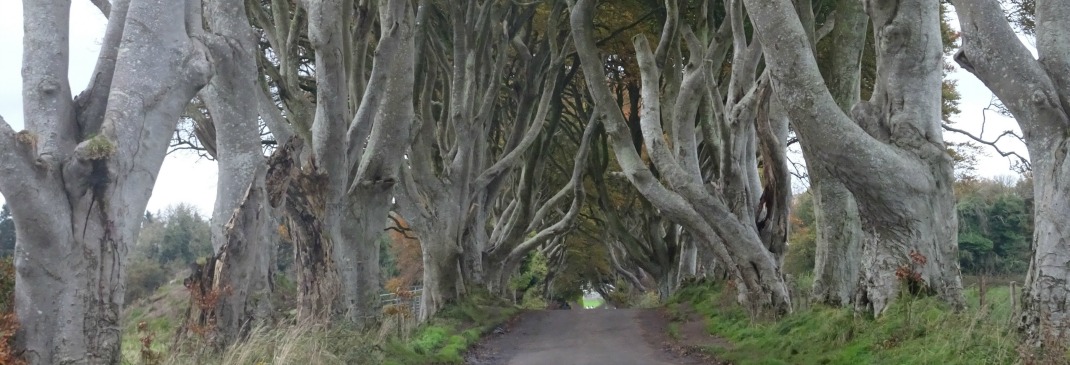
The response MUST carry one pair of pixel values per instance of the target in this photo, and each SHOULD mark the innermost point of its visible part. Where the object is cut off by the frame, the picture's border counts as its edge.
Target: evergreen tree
(7, 232)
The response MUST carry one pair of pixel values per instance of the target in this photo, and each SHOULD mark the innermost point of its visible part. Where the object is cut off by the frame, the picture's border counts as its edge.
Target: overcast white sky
(186, 179)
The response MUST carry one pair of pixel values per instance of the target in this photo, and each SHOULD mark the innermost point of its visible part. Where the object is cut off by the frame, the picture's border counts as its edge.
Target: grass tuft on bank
(912, 331)
(446, 338)
(442, 340)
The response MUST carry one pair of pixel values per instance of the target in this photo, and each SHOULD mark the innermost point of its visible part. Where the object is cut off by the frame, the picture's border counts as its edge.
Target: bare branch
(826, 28)
(799, 170)
(992, 51)
(12, 163)
(668, 32)
(92, 102)
(996, 106)
(399, 227)
(992, 143)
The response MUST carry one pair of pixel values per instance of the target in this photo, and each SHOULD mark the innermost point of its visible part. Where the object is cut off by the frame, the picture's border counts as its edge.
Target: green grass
(161, 317)
(442, 340)
(674, 331)
(912, 331)
(445, 339)
(592, 303)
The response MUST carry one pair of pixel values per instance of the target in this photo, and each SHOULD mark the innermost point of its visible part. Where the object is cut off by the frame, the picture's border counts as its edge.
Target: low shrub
(143, 277)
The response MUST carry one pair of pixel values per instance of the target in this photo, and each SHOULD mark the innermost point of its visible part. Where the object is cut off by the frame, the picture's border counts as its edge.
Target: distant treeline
(995, 228)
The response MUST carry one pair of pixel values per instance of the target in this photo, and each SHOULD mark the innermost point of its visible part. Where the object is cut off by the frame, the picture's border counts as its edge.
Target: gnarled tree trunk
(839, 228)
(723, 222)
(300, 193)
(230, 292)
(242, 256)
(79, 177)
(341, 177)
(889, 152)
(1037, 92)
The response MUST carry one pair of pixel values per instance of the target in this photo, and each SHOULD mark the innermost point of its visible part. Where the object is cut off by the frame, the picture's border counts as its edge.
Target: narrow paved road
(573, 337)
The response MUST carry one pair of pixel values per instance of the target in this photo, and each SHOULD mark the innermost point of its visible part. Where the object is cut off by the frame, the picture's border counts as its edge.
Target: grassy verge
(443, 340)
(913, 331)
(157, 316)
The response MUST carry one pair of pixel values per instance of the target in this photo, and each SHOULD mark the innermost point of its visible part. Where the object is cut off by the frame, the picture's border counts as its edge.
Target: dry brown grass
(9, 323)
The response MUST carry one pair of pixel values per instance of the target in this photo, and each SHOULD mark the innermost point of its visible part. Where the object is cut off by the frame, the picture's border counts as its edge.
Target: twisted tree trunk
(338, 181)
(242, 273)
(723, 222)
(1037, 92)
(839, 228)
(79, 177)
(889, 152)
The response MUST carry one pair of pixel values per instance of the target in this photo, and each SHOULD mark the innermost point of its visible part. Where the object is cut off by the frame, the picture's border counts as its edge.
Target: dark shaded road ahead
(574, 337)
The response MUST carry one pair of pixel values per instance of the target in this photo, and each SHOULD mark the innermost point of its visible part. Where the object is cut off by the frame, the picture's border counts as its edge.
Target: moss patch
(445, 339)
(99, 148)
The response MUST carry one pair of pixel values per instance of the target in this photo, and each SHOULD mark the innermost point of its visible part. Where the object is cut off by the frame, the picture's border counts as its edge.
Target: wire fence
(409, 300)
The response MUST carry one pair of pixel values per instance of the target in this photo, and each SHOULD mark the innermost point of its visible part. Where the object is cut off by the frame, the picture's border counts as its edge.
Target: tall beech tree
(721, 208)
(1037, 93)
(335, 179)
(469, 142)
(847, 60)
(838, 225)
(888, 151)
(240, 271)
(79, 177)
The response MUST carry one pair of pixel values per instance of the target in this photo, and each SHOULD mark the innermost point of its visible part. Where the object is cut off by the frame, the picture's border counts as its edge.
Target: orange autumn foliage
(406, 249)
(9, 323)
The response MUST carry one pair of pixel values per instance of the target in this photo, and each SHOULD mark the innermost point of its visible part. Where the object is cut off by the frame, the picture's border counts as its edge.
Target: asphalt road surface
(573, 337)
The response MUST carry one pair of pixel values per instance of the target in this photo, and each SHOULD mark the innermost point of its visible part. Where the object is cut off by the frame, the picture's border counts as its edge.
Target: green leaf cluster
(168, 243)
(802, 239)
(995, 226)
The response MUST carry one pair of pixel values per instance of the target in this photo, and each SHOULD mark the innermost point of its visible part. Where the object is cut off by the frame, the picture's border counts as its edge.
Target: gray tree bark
(1037, 92)
(230, 292)
(344, 170)
(684, 199)
(380, 160)
(889, 153)
(455, 178)
(839, 228)
(78, 190)
(241, 271)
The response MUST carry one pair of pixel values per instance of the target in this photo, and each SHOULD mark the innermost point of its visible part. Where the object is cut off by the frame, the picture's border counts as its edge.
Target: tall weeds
(9, 323)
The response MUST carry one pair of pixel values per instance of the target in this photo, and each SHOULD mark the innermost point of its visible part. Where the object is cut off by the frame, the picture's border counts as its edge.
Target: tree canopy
(544, 148)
